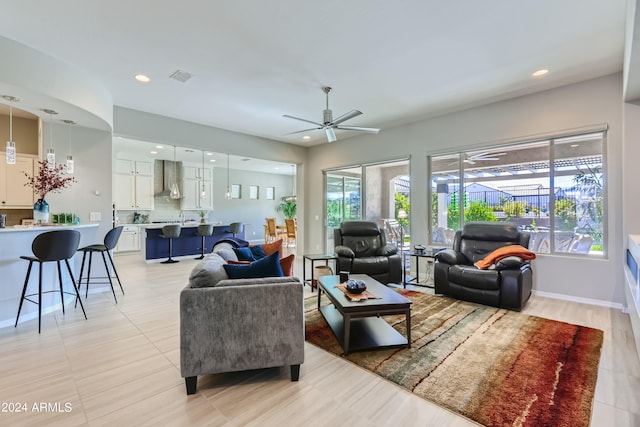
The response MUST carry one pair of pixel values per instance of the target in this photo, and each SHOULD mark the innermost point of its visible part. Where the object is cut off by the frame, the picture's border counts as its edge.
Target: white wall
(91, 151)
(249, 211)
(579, 105)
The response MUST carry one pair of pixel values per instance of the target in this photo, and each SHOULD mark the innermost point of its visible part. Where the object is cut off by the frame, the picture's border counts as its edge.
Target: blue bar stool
(51, 246)
(110, 242)
(204, 230)
(171, 232)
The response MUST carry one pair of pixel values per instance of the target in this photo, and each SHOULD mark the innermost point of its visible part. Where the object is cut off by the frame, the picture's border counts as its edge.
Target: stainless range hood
(163, 172)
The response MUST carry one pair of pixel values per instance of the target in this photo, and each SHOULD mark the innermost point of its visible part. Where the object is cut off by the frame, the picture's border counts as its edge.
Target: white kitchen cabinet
(129, 239)
(133, 185)
(193, 181)
(134, 167)
(13, 192)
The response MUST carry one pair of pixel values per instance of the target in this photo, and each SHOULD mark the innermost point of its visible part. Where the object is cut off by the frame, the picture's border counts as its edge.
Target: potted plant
(288, 207)
(202, 215)
(48, 179)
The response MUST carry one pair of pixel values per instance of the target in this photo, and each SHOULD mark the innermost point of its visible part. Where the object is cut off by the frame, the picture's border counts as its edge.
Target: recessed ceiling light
(142, 78)
(159, 146)
(209, 153)
(212, 160)
(575, 145)
(540, 73)
(306, 137)
(153, 152)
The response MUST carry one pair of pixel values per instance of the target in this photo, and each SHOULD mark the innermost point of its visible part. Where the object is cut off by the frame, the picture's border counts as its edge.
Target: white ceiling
(253, 61)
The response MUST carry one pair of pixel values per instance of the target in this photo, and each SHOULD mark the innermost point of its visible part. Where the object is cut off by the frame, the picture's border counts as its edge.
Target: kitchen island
(156, 248)
(16, 241)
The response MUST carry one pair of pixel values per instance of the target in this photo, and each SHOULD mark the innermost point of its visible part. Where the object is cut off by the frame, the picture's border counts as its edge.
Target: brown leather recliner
(507, 286)
(361, 248)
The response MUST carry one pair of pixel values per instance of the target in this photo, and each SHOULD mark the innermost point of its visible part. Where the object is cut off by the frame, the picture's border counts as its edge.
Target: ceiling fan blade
(331, 135)
(302, 131)
(483, 156)
(473, 156)
(351, 114)
(303, 120)
(358, 128)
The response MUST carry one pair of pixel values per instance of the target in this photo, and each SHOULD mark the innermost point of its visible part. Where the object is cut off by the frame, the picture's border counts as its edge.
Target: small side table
(313, 258)
(429, 256)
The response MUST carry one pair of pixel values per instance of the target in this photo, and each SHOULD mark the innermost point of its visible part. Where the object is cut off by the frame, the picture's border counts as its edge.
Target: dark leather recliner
(361, 248)
(507, 286)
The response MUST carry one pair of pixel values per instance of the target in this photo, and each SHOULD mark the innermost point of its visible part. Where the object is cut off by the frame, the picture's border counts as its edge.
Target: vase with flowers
(49, 179)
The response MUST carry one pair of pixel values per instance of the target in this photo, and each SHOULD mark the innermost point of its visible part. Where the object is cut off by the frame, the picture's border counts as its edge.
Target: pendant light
(51, 154)
(203, 193)
(292, 197)
(174, 189)
(11, 145)
(228, 193)
(69, 156)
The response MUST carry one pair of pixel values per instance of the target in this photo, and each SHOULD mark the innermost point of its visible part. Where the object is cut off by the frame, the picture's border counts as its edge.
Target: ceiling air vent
(181, 76)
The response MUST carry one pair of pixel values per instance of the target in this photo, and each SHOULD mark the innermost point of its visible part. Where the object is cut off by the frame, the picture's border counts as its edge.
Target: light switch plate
(95, 216)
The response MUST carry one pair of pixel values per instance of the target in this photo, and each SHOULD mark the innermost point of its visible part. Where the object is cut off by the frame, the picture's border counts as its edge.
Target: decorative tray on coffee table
(363, 296)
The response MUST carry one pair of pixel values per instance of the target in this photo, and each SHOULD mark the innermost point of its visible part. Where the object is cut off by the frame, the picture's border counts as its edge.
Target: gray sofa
(238, 324)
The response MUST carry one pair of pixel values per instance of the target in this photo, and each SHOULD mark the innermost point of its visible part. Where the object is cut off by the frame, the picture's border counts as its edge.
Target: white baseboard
(581, 300)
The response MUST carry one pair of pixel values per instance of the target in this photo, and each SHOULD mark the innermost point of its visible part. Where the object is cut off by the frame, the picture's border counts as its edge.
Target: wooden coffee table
(359, 325)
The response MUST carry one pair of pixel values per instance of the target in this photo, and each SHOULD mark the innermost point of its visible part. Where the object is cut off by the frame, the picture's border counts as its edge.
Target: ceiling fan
(480, 157)
(329, 124)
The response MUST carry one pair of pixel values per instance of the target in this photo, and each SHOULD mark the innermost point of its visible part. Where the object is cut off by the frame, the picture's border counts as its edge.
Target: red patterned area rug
(496, 367)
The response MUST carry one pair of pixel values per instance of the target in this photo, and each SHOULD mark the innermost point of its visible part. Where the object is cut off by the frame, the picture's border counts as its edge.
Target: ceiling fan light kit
(329, 124)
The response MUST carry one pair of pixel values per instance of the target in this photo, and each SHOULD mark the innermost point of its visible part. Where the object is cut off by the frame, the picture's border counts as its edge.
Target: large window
(554, 188)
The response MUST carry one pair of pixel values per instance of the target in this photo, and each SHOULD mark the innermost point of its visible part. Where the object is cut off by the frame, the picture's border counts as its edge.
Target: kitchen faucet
(181, 217)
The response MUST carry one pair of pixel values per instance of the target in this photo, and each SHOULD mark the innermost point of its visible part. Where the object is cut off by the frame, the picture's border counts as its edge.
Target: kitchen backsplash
(165, 210)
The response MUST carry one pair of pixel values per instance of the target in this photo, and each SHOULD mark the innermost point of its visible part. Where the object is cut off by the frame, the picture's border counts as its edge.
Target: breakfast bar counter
(156, 248)
(15, 242)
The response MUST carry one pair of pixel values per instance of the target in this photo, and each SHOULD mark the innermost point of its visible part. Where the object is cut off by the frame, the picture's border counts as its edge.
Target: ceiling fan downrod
(327, 114)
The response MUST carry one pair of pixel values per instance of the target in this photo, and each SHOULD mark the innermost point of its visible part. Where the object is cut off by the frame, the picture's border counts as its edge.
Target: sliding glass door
(343, 199)
(377, 192)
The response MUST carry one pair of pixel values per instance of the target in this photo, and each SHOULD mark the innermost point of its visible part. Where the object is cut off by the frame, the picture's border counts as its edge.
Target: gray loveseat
(238, 324)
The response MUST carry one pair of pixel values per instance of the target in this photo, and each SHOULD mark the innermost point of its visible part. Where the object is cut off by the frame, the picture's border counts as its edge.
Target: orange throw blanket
(503, 252)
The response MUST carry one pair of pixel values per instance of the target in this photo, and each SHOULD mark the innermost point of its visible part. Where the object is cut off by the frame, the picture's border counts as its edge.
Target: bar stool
(110, 242)
(51, 246)
(236, 228)
(171, 232)
(203, 231)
